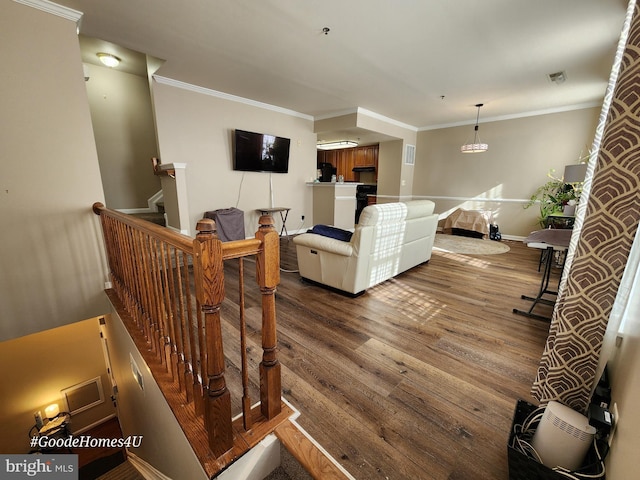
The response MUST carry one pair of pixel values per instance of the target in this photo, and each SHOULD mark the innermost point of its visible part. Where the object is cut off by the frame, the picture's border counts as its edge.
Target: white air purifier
(563, 437)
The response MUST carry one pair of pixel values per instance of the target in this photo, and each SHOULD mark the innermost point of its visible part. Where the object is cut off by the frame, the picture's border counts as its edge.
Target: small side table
(548, 241)
(56, 428)
(284, 213)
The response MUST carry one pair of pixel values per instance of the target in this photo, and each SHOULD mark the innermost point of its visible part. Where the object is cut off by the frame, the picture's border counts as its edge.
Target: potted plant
(555, 197)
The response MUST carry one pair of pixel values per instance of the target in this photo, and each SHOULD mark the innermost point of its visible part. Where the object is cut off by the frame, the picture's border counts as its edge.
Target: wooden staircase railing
(170, 287)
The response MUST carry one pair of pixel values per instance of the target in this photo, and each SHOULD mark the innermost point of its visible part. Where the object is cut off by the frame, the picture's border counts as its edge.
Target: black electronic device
(600, 418)
(327, 171)
(259, 152)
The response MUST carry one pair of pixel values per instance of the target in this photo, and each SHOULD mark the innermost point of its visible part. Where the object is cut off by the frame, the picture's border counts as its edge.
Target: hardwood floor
(416, 379)
(108, 429)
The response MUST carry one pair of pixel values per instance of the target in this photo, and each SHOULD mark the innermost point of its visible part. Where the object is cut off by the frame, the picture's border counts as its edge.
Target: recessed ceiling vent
(557, 78)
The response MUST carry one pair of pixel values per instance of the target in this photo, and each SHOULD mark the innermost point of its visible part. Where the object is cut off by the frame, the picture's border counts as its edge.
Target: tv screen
(257, 152)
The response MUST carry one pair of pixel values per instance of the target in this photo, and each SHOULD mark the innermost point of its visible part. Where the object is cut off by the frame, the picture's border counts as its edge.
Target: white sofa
(389, 239)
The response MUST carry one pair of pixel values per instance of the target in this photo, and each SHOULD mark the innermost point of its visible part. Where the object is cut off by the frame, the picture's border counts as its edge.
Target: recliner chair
(389, 239)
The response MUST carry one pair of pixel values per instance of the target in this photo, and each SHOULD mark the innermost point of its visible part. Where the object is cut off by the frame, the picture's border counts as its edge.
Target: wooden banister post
(209, 279)
(268, 277)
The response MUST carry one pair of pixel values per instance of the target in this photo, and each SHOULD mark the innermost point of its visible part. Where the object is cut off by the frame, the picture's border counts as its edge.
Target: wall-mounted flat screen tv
(258, 152)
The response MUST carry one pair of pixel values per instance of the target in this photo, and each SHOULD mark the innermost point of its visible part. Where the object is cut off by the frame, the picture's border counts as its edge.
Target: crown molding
(227, 96)
(568, 108)
(54, 9)
(382, 118)
(368, 113)
(340, 113)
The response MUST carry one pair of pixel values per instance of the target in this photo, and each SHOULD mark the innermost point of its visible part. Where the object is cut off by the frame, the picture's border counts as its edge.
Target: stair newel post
(209, 279)
(268, 277)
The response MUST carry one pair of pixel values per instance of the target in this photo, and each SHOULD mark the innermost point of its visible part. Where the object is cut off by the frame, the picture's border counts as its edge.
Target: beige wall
(340, 122)
(51, 257)
(390, 171)
(521, 153)
(395, 179)
(625, 391)
(35, 368)
(125, 136)
(145, 411)
(197, 129)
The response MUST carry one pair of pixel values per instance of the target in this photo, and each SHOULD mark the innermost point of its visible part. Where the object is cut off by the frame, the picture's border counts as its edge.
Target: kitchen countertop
(334, 184)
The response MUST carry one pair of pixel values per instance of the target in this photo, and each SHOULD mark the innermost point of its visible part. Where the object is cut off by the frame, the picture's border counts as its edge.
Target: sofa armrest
(325, 244)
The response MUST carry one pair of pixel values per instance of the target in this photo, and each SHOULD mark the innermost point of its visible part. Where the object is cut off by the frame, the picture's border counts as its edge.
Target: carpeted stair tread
(102, 465)
(154, 217)
(289, 469)
(124, 471)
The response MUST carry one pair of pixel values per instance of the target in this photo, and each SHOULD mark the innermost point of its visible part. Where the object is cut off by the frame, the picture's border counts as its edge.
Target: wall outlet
(616, 419)
(303, 218)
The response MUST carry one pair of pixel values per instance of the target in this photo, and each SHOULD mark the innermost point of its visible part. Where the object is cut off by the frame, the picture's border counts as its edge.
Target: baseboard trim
(145, 469)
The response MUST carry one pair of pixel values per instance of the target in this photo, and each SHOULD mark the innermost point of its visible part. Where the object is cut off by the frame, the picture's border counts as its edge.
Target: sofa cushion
(419, 208)
(383, 213)
(331, 232)
(320, 242)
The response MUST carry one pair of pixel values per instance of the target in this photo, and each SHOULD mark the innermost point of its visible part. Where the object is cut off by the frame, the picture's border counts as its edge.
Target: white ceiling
(424, 63)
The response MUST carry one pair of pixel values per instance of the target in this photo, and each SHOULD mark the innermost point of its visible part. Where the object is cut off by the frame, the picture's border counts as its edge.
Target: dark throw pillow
(333, 232)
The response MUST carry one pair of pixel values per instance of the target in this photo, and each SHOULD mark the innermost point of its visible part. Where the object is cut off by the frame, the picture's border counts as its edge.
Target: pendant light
(475, 146)
(108, 59)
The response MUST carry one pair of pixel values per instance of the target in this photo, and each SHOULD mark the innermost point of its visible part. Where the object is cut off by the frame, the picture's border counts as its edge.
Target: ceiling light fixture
(108, 59)
(336, 145)
(475, 146)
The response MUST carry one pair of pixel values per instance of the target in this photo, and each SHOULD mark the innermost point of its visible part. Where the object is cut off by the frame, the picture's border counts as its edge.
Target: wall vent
(410, 155)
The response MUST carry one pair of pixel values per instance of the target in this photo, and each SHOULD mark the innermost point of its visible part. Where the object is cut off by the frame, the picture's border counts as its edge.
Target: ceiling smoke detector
(557, 78)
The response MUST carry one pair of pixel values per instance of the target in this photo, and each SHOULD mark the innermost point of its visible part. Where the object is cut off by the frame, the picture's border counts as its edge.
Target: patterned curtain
(607, 221)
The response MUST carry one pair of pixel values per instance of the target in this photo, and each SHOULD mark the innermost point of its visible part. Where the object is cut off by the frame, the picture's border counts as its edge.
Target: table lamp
(52, 411)
(575, 173)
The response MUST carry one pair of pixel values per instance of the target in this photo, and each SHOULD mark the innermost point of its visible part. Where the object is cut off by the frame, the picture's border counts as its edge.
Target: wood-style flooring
(108, 429)
(416, 379)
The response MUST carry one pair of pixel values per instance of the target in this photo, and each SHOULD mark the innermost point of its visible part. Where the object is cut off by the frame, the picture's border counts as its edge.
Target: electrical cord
(523, 433)
(240, 189)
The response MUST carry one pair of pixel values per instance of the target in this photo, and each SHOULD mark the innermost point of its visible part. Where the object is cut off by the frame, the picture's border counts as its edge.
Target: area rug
(468, 245)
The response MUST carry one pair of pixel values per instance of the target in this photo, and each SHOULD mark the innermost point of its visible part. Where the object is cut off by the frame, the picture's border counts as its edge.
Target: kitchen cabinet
(345, 159)
(345, 164)
(366, 156)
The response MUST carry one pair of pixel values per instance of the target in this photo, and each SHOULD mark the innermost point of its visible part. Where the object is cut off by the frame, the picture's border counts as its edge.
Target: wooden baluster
(246, 399)
(141, 292)
(200, 363)
(210, 293)
(268, 276)
(157, 339)
(181, 325)
(147, 283)
(129, 255)
(171, 345)
(194, 389)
